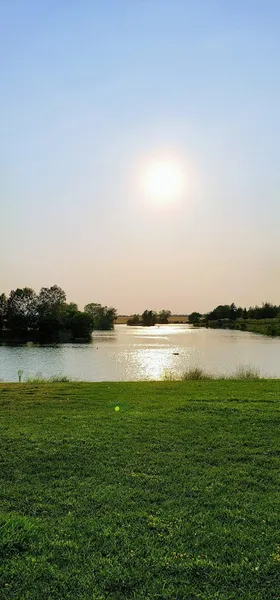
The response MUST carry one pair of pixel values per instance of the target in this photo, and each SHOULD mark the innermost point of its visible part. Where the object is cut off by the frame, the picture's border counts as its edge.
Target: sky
(92, 93)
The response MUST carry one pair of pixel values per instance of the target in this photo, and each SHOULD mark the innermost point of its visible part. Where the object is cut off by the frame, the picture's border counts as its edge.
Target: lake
(132, 353)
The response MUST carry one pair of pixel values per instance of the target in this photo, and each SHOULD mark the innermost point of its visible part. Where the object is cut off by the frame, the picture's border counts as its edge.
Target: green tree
(149, 318)
(51, 301)
(266, 311)
(51, 308)
(232, 312)
(22, 310)
(194, 318)
(163, 316)
(81, 325)
(3, 310)
(239, 312)
(72, 308)
(134, 320)
(103, 317)
(223, 311)
(95, 310)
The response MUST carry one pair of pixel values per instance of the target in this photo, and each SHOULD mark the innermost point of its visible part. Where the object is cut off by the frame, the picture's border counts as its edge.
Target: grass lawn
(174, 496)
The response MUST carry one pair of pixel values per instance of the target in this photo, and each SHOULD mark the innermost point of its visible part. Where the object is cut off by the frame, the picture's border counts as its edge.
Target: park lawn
(173, 496)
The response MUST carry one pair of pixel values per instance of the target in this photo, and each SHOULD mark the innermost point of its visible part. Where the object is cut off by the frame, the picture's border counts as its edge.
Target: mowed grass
(173, 496)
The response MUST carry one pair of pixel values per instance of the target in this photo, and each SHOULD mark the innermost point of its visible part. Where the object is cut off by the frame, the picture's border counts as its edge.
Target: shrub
(243, 372)
(54, 379)
(60, 379)
(196, 373)
(271, 330)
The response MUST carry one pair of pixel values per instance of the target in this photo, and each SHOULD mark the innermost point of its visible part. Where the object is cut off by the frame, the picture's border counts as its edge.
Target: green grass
(268, 327)
(174, 496)
(54, 379)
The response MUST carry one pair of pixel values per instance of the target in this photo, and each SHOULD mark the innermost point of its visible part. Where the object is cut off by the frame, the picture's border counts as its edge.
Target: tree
(268, 311)
(81, 325)
(232, 312)
(134, 320)
(103, 317)
(107, 318)
(163, 316)
(71, 308)
(223, 311)
(194, 318)
(51, 301)
(149, 318)
(94, 310)
(3, 310)
(239, 312)
(51, 308)
(22, 310)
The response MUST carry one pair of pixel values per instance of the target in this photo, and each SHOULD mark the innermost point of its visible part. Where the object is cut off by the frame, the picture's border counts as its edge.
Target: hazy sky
(94, 90)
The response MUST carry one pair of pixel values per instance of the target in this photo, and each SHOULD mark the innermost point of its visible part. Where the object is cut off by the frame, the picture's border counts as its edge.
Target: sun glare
(163, 181)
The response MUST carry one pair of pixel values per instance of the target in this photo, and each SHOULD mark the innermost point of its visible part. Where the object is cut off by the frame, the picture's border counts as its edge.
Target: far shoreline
(172, 320)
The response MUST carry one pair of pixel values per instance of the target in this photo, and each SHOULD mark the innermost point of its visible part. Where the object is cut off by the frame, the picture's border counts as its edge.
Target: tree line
(232, 313)
(150, 318)
(48, 317)
(260, 319)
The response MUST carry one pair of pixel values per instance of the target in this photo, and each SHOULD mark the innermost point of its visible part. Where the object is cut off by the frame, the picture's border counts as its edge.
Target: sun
(163, 180)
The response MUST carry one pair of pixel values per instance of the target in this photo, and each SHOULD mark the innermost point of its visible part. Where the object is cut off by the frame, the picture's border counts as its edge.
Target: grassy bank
(269, 327)
(173, 496)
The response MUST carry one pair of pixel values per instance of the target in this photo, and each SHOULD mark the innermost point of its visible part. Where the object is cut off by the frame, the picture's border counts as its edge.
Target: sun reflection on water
(156, 352)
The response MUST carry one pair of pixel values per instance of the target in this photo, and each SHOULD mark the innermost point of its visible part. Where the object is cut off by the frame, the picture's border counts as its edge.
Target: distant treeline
(46, 317)
(150, 318)
(259, 319)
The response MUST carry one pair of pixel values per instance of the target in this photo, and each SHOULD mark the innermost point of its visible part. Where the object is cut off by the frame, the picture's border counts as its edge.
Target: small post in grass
(20, 374)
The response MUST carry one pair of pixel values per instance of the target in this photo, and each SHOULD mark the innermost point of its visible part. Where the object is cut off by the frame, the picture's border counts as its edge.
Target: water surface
(132, 353)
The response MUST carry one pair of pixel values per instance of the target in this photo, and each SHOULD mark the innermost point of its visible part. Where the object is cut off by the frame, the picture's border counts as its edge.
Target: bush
(246, 373)
(54, 379)
(271, 330)
(60, 379)
(196, 373)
